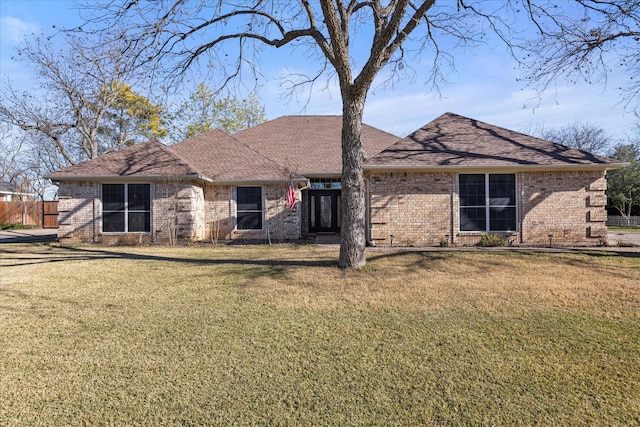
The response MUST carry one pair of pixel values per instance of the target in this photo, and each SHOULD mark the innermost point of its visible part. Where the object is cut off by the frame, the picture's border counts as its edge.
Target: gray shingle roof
(222, 157)
(141, 160)
(291, 146)
(6, 187)
(310, 145)
(456, 141)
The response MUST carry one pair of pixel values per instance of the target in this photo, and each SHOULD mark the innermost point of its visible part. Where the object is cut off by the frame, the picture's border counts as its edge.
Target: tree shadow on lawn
(20, 257)
(425, 258)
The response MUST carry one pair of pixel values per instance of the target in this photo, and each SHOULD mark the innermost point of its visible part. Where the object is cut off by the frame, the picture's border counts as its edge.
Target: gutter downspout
(367, 229)
(93, 208)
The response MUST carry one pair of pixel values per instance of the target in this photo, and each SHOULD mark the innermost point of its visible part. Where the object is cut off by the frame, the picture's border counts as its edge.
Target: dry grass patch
(279, 336)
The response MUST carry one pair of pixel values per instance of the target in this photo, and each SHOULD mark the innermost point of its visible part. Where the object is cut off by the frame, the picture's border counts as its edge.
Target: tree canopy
(203, 111)
(623, 185)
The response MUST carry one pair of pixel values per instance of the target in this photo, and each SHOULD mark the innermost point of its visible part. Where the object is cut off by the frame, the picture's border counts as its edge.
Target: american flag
(291, 196)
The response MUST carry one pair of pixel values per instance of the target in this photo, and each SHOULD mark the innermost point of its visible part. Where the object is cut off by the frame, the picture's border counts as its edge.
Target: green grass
(624, 229)
(258, 335)
(16, 226)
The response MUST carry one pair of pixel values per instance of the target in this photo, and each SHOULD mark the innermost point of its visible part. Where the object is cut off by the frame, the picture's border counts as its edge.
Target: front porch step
(327, 239)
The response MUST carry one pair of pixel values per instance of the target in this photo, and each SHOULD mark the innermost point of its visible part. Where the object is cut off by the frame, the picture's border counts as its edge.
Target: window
(487, 202)
(249, 208)
(325, 183)
(126, 208)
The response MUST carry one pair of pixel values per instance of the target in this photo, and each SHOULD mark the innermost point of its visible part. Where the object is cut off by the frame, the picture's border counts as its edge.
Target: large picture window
(126, 208)
(249, 208)
(487, 202)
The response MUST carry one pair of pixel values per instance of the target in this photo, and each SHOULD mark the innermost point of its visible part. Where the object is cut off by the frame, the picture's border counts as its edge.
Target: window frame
(249, 211)
(488, 206)
(127, 210)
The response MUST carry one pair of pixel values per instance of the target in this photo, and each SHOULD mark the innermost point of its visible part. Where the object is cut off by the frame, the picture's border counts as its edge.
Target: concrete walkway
(614, 237)
(39, 235)
(30, 235)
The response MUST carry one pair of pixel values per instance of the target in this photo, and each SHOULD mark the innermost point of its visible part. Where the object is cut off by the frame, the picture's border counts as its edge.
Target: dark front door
(324, 211)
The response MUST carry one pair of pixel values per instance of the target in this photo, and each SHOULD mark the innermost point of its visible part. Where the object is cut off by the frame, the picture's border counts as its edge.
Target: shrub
(493, 240)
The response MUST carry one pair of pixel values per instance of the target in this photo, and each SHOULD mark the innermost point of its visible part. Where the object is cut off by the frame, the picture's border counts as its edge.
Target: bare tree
(82, 109)
(582, 136)
(585, 40)
(350, 42)
(17, 163)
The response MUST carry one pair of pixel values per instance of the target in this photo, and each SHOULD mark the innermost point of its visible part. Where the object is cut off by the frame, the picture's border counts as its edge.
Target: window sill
(115, 233)
(480, 233)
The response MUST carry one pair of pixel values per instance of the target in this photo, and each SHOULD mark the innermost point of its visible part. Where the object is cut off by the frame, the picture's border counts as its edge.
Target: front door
(324, 211)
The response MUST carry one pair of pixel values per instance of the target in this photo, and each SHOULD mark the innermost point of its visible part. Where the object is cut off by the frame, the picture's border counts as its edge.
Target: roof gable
(456, 141)
(147, 159)
(310, 144)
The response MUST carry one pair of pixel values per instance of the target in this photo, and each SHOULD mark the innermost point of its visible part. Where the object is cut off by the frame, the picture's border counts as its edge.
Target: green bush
(493, 240)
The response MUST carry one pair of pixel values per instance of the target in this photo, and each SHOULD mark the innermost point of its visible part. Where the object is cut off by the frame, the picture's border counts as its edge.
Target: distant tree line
(623, 185)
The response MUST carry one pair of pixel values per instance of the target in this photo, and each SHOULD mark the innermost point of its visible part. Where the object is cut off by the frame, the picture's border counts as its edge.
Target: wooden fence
(41, 214)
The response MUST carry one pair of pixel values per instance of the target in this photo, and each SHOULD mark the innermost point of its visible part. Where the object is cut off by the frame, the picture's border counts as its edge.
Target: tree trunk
(353, 205)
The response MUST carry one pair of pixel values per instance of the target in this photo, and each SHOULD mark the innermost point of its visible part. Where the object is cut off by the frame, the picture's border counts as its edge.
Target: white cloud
(14, 30)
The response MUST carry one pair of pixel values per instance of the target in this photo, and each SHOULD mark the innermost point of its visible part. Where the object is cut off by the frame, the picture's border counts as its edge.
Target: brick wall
(219, 212)
(283, 223)
(279, 222)
(422, 209)
(178, 210)
(413, 209)
(563, 208)
(78, 206)
(181, 211)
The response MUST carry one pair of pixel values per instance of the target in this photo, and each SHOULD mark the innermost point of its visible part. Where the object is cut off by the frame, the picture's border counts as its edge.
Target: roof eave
(505, 168)
(322, 174)
(255, 181)
(127, 178)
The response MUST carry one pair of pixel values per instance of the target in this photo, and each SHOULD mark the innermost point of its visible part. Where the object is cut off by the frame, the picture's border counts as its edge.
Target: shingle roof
(6, 187)
(310, 144)
(221, 157)
(141, 160)
(456, 141)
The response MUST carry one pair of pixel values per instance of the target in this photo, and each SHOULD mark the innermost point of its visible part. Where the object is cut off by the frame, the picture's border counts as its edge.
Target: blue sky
(483, 86)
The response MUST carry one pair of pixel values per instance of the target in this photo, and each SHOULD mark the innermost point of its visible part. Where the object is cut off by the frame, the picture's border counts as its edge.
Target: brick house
(213, 186)
(9, 192)
(451, 181)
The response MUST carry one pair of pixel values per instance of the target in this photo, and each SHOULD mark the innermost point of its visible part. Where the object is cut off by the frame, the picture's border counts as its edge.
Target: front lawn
(624, 229)
(259, 335)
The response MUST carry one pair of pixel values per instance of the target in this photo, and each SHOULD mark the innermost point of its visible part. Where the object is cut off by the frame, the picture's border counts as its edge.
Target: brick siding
(422, 209)
(78, 206)
(279, 223)
(412, 209)
(563, 208)
(180, 212)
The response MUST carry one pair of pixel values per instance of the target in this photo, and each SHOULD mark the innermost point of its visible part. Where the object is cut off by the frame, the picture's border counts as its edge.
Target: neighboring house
(450, 182)
(9, 193)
